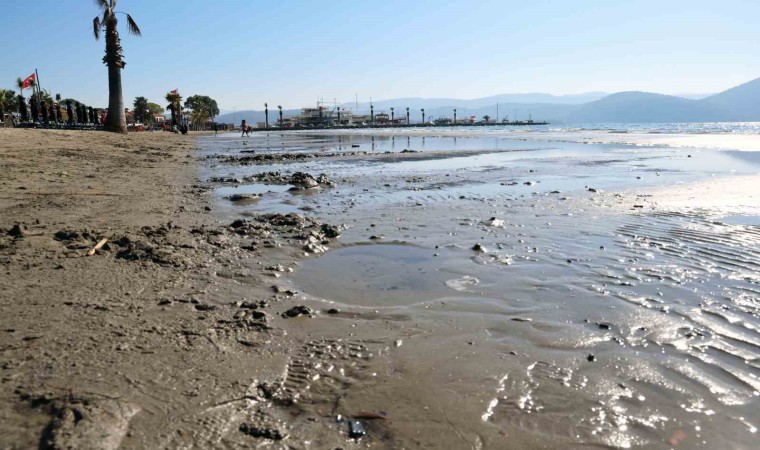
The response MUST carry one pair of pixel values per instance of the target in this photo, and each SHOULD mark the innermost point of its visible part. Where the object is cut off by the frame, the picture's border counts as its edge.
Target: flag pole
(37, 75)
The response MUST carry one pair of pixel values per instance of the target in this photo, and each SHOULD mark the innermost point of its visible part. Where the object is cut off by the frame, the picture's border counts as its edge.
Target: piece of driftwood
(97, 247)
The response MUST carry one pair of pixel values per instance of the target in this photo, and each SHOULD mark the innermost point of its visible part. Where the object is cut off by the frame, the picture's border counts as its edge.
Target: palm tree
(486, 118)
(175, 102)
(140, 109)
(22, 109)
(58, 112)
(116, 121)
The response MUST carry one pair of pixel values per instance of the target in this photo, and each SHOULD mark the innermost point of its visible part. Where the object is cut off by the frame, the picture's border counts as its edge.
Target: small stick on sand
(97, 247)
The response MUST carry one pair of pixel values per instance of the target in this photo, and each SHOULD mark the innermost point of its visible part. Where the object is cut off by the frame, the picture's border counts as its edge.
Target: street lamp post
(280, 108)
(455, 116)
(393, 116)
(371, 114)
(407, 115)
(266, 115)
(423, 115)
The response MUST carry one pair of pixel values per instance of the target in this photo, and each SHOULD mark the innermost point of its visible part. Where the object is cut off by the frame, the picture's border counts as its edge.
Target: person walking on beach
(244, 127)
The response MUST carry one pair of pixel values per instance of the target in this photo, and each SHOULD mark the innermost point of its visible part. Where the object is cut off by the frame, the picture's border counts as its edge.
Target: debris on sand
(258, 159)
(205, 307)
(299, 310)
(303, 180)
(494, 222)
(262, 432)
(479, 248)
(164, 244)
(356, 429)
(313, 234)
(330, 231)
(243, 197)
(18, 230)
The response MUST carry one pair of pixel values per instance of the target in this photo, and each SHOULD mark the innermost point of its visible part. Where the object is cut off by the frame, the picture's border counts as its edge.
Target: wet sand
(611, 302)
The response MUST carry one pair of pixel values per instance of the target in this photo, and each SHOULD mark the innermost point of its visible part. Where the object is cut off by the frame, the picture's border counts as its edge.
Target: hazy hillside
(645, 107)
(743, 101)
(430, 103)
(253, 116)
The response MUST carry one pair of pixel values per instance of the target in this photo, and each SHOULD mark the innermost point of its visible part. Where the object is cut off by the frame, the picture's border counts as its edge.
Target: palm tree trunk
(116, 120)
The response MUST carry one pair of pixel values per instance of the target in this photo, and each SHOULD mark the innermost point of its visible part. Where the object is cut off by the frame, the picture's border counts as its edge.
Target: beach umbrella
(70, 113)
(22, 108)
(58, 112)
(35, 112)
(44, 108)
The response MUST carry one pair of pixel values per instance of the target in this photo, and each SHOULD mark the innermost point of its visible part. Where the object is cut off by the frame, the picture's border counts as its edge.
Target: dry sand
(131, 347)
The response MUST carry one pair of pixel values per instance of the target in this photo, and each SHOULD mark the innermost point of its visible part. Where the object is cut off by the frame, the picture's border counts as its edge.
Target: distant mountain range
(738, 104)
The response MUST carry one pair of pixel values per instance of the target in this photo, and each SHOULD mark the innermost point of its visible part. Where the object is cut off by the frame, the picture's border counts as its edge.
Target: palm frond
(101, 3)
(132, 26)
(96, 27)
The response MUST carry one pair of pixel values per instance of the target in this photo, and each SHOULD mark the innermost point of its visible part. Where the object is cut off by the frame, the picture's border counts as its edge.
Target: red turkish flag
(176, 91)
(29, 80)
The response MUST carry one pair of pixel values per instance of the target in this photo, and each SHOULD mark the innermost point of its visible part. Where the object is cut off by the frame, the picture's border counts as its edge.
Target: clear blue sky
(246, 52)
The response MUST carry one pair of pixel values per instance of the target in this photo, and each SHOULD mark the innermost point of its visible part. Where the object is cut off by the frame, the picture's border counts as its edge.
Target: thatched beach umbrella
(22, 108)
(44, 110)
(35, 112)
(70, 113)
(58, 112)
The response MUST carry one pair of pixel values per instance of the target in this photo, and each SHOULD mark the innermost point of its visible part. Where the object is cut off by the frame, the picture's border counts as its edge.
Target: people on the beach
(246, 129)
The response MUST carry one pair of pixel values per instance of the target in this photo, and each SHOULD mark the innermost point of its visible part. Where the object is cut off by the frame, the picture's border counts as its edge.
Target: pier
(400, 125)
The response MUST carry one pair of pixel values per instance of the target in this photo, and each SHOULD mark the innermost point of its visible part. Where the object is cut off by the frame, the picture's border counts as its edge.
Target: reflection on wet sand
(548, 294)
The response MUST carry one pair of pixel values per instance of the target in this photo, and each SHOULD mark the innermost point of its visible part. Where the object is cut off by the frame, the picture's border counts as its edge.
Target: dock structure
(413, 125)
(336, 117)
